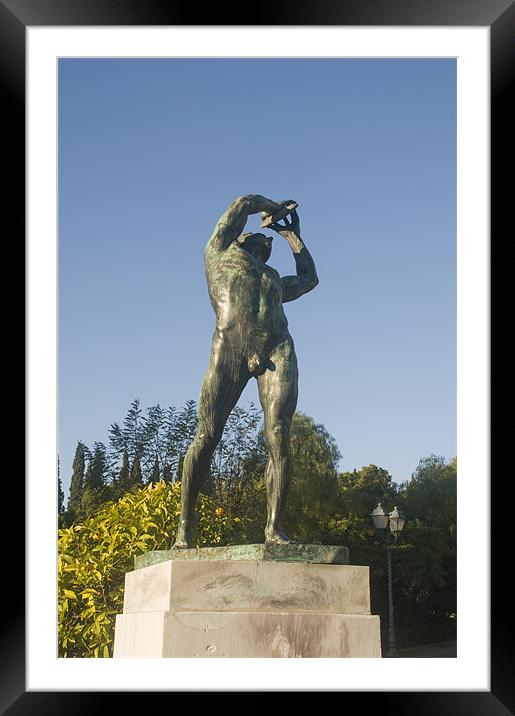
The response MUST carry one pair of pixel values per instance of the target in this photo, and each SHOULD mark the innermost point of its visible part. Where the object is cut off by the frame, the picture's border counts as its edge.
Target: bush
(93, 557)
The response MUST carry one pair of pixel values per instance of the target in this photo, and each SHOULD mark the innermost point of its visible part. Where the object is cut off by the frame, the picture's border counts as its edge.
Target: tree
(94, 490)
(77, 482)
(156, 471)
(181, 427)
(431, 494)
(233, 474)
(162, 435)
(167, 473)
(314, 487)
(136, 478)
(361, 490)
(122, 482)
(60, 496)
(132, 437)
(427, 565)
(154, 447)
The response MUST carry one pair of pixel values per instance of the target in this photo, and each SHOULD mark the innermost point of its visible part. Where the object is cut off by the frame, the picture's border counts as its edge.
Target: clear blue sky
(152, 151)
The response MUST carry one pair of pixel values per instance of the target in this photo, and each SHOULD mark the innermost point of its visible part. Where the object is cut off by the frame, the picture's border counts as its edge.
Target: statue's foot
(181, 544)
(183, 540)
(275, 536)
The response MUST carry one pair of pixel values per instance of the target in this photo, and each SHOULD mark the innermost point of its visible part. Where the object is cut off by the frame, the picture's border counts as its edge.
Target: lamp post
(395, 521)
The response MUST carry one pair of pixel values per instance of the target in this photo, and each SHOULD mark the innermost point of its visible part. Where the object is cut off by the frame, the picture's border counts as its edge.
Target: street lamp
(395, 520)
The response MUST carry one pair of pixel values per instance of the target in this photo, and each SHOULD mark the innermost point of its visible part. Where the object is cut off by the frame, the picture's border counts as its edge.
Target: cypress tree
(136, 477)
(123, 480)
(180, 466)
(77, 481)
(94, 481)
(60, 495)
(156, 472)
(167, 472)
(95, 474)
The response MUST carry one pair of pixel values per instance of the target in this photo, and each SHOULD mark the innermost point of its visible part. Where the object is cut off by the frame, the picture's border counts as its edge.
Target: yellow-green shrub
(93, 557)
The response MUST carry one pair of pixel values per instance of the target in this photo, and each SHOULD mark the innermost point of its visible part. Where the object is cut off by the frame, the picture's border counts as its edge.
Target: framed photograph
(53, 56)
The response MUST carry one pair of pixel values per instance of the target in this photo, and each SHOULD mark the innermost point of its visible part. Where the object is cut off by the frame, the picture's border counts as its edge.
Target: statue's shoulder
(214, 252)
(273, 272)
(223, 260)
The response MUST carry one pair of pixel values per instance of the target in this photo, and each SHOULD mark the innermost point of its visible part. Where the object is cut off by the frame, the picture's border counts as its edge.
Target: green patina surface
(315, 553)
(251, 340)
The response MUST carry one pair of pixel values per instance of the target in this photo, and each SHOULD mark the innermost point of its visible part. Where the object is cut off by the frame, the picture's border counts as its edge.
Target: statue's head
(258, 245)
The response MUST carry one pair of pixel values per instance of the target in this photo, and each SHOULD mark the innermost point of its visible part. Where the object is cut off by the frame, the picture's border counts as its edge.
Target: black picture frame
(499, 15)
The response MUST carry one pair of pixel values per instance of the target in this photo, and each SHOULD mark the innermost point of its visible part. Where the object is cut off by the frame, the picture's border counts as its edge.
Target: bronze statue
(251, 340)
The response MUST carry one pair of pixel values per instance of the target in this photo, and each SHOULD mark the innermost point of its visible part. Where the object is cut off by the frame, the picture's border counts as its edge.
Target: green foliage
(427, 566)
(314, 486)
(156, 471)
(424, 558)
(361, 490)
(77, 481)
(94, 490)
(426, 581)
(95, 478)
(161, 435)
(431, 494)
(123, 480)
(132, 436)
(237, 471)
(136, 478)
(60, 496)
(95, 555)
(350, 524)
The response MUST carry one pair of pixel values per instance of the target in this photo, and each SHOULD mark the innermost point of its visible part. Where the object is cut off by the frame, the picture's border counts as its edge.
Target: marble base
(246, 634)
(199, 608)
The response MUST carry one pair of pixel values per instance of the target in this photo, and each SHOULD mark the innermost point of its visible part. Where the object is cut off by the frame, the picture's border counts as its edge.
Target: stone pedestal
(203, 607)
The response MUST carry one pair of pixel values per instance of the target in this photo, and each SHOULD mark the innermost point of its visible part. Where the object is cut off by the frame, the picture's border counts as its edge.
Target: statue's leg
(220, 391)
(278, 396)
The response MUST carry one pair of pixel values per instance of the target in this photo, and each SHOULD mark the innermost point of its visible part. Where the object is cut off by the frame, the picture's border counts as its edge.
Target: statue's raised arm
(232, 222)
(306, 279)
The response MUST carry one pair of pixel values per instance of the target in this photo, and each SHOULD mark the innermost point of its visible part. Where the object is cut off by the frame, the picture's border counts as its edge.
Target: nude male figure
(251, 340)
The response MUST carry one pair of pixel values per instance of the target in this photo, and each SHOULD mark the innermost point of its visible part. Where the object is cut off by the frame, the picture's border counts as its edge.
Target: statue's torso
(246, 297)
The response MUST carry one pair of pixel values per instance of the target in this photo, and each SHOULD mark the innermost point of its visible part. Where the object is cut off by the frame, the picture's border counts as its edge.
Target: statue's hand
(291, 225)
